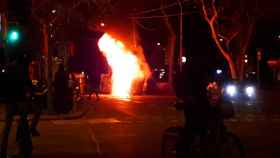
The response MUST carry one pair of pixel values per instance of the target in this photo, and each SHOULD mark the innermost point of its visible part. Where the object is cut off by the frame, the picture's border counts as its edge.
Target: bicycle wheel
(170, 139)
(232, 147)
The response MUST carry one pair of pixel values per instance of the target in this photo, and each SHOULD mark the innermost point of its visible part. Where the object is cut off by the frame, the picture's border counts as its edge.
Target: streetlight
(102, 24)
(184, 59)
(219, 71)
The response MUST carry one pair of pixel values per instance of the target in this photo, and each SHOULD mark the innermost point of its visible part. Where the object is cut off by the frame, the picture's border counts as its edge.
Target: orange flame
(125, 65)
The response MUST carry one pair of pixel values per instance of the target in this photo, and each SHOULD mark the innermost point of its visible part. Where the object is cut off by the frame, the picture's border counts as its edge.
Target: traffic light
(13, 36)
(15, 40)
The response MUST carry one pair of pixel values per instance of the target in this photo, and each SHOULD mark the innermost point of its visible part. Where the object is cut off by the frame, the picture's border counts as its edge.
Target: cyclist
(190, 86)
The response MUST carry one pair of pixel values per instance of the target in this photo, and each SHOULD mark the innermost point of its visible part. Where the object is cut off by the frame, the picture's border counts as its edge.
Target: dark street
(126, 129)
(66, 65)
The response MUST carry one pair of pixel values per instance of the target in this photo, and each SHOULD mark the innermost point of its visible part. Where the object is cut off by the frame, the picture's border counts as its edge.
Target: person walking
(191, 90)
(60, 90)
(94, 84)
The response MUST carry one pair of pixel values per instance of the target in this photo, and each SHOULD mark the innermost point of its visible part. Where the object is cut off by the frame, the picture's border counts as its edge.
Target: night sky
(119, 23)
(196, 33)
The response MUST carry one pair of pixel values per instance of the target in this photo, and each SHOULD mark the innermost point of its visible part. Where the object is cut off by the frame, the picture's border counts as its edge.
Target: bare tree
(231, 25)
(65, 14)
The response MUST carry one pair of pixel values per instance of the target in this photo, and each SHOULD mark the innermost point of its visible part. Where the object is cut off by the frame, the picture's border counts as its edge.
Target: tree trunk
(240, 66)
(48, 67)
(232, 67)
(226, 55)
(211, 21)
(137, 48)
(171, 48)
(171, 45)
(236, 65)
(244, 48)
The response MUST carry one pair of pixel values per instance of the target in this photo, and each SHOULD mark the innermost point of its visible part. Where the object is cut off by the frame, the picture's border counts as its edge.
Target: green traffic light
(13, 36)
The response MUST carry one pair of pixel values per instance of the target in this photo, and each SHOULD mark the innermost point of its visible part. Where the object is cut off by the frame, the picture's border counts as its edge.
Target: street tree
(171, 44)
(231, 26)
(62, 19)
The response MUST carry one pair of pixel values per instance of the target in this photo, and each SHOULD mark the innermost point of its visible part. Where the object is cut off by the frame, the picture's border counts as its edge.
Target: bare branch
(166, 20)
(214, 17)
(211, 24)
(233, 35)
(206, 17)
(211, 21)
(229, 39)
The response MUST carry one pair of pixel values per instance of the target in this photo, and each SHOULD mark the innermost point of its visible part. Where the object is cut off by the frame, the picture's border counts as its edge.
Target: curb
(72, 116)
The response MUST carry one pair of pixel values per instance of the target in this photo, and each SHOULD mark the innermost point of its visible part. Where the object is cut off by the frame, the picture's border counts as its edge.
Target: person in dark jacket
(190, 87)
(94, 84)
(39, 102)
(60, 90)
(16, 92)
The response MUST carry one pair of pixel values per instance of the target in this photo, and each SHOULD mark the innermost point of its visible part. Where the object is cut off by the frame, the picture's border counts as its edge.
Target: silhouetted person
(60, 89)
(17, 88)
(94, 84)
(190, 86)
(38, 104)
(71, 84)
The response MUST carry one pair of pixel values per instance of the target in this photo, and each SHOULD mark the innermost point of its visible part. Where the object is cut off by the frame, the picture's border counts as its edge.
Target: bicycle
(220, 139)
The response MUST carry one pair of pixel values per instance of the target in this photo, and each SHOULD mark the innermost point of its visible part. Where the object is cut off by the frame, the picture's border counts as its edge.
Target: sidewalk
(57, 141)
(270, 100)
(80, 112)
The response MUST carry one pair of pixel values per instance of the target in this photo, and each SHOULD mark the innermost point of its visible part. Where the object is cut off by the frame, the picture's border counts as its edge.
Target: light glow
(250, 91)
(13, 36)
(184, 59)
(231, 90)
(219, 71)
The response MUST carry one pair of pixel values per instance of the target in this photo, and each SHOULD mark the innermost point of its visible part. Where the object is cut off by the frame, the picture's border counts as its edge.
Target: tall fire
(124, 64)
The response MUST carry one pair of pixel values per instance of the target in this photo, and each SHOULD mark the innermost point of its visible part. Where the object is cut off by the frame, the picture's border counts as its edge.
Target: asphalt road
(133, 128)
